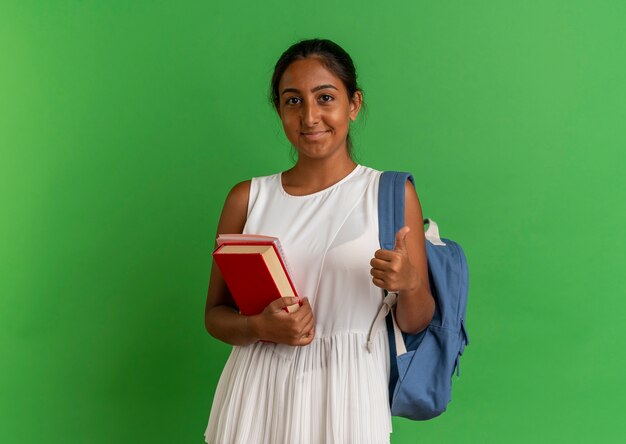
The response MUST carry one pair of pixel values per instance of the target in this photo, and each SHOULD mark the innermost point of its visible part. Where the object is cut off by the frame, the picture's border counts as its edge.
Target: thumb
(400, 245)
(281, 303)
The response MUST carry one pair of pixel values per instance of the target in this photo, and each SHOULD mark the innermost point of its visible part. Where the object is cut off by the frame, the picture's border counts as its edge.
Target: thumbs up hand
(392, 269)
(400, 244)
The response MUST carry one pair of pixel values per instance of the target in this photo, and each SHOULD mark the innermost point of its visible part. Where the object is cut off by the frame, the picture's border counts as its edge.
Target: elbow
(418, 323)
(208, 323)
(413, 329)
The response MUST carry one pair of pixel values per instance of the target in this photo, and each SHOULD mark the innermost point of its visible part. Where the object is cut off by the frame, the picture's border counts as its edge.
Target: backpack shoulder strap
(391, 206)
(391, 197)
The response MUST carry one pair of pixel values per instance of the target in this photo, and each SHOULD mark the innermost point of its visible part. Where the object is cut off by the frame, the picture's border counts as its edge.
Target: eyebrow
(317, 88)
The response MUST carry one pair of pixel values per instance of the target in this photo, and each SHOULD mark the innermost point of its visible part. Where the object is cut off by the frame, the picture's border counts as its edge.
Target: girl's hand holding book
(276, 325)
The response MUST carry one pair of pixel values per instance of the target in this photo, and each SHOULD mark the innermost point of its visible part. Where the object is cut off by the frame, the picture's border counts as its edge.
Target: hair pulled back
(331, 55)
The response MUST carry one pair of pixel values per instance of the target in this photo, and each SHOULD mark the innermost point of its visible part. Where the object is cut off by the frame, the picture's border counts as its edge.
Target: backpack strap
(391, 206)
(432, 234)
(391, 199)
(387, 308)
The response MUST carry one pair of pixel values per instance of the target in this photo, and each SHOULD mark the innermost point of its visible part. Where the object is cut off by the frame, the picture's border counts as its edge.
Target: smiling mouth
(314, 134)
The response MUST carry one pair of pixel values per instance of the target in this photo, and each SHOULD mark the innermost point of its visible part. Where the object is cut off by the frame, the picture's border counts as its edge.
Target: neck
(312, 175)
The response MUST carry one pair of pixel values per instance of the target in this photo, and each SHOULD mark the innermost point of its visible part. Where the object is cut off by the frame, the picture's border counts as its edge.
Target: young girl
(316, 382)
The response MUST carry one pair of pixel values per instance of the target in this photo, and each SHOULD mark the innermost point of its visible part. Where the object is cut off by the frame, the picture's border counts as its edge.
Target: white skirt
(331, 391)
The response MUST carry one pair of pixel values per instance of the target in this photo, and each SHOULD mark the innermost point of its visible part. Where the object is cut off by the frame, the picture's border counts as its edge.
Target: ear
(355, 104)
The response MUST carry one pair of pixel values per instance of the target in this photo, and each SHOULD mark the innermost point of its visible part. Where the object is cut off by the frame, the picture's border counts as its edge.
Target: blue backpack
(422, 364)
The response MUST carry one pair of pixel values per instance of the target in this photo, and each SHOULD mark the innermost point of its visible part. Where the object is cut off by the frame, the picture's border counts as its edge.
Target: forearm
(227, 325)
(415, 309)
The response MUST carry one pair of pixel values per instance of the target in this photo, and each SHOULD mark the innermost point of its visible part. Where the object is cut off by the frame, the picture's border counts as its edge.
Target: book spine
(282, 262)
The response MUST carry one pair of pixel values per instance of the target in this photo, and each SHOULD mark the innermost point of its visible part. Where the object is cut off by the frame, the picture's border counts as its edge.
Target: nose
(310, 114)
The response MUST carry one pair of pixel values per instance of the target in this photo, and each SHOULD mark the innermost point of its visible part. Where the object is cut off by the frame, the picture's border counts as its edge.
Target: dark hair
(330, 54)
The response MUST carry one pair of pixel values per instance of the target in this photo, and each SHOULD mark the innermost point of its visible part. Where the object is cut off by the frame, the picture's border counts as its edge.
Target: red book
(255, 271)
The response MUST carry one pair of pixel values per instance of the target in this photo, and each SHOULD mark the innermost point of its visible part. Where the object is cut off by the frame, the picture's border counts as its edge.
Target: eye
(292, 101)
(326, 98)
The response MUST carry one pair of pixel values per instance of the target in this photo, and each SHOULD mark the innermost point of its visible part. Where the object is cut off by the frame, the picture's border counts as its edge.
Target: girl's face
(315, 109)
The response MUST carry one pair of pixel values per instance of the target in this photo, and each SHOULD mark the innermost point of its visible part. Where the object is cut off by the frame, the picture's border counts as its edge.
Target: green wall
(123, 124)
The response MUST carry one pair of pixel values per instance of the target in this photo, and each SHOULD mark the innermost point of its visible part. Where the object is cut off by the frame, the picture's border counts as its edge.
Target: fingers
(384, 255)
(308, 333)
(380, 274)
(386, 274)
(281, 303)
(304, 324)
(295, 328)
(309, 326)
(379, 283)
(379, 270)
(306, 339)
(380, 264)
(304, 315)
(385, 266)
(306, 304)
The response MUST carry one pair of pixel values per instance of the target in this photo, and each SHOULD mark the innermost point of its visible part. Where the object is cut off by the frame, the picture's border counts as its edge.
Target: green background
(123, 124)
